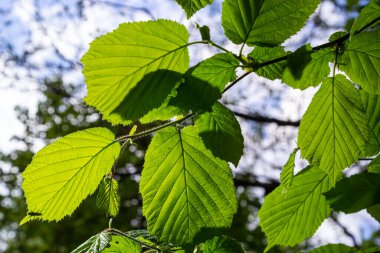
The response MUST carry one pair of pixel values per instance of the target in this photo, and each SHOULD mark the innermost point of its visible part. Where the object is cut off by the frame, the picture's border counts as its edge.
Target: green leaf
(371, 105)
(265, 22)
(288, 219)
(332, 248)
(116, 63)
(96, 243)
(287, 176)
(184, 187)
(374, 166)
(221, 244)
(221, 133)
(307, 68)
(263, 54)
(374, 211)
(337, 35)
(350, 195)
(192, 6)
(205, 83)
(65, 172)
(361, 60)
(108, 197)
(121, 244)
(334, 131)
(368, 15)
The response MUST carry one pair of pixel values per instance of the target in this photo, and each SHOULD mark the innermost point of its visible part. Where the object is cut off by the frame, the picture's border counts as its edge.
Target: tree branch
(262, 119)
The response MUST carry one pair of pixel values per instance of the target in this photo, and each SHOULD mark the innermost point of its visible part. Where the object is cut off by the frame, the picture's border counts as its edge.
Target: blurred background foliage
(60, 112)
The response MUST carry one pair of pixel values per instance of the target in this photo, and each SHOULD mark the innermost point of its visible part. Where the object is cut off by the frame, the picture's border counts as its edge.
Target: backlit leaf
(361, 60)
(371, 105)
(288, 219)
(334, 130)
(121, 244)
(95, 244)
(221, 244)
(192, 6)
(221, 133)
(307, 68)
(333, 248)
(136, 62)
(350, 195)
(287, 173)
(265, 22)
(263, 54)
(65, 172)
(184, 187)
(108, 197)
(368, 15)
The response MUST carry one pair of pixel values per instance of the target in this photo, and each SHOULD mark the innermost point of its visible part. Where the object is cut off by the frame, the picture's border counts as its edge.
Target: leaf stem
(236, 81)
(152, 130)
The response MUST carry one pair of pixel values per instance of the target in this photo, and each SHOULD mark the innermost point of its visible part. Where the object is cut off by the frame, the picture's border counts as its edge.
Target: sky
(55, 36)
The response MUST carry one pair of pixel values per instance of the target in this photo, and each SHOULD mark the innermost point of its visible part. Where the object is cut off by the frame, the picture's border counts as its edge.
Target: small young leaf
(334, 129)
(371, 105)
(368, 15)
(205, 32)
(264, 22)
(332, 248)
(355, 193)
(65, 172)
(263, 54)
(221, 133)
(184, 187)
(116, 63)
(221, 244)
(121, 244)
(286, 176)
(361, 60)
(307, 68)
(192, 6)
(108, 197)
(96, 243)
(289, 219)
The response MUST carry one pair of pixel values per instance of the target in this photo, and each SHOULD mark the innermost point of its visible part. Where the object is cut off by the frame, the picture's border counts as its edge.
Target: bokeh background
(41, 92)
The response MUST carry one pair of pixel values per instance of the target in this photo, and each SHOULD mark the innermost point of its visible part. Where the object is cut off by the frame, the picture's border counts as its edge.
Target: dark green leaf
(184, 187)
(361, 60)
(374, 166)
(205, 83)
(288, 219)
(355, 193)
(334, 130)
(205, 32)
(367, 17)
(307, 68)
(337, 35)
(221, 133)
(192, 6)
(221, 244)
(263, 54)
(265, 22)
(374, 211)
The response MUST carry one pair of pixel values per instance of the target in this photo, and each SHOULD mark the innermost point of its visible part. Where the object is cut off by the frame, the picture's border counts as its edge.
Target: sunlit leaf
(65, 172)
(184, 187)
(108, 197)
